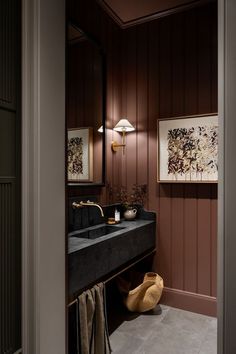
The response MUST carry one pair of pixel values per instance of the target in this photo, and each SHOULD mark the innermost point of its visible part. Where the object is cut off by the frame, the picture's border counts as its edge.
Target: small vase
(130, 214)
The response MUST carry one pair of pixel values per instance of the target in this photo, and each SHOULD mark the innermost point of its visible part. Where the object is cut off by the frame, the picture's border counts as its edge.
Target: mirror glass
(85, 112)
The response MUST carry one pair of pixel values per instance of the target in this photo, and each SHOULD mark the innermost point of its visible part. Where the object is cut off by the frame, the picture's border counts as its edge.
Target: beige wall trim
(220, 240)
(227, 186)
(43, 181)
(29, 56)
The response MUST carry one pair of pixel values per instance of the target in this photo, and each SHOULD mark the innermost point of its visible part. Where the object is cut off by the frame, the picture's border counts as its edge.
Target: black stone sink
(97, 231)
(92, 257)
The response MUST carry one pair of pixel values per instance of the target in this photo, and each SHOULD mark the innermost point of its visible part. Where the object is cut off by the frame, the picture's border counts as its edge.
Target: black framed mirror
(85, 109)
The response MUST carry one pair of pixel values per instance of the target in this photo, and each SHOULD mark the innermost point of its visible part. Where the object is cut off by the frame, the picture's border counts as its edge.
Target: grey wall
(43, 182)
(227, 189)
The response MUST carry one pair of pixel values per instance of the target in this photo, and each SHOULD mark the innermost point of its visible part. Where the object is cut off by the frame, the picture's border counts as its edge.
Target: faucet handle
(76, 205)
(89, 202)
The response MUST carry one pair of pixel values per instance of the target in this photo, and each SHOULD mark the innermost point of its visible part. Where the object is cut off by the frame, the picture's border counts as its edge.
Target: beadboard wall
(161, 69)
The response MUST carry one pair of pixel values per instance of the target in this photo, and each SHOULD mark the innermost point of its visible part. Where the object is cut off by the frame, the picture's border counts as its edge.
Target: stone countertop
(76, 243)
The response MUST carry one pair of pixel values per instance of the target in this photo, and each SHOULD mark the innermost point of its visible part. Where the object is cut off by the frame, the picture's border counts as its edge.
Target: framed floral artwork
(188, 149)
(80, 155)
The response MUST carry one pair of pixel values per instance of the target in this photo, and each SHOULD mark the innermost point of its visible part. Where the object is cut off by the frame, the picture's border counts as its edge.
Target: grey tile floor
(166, 330)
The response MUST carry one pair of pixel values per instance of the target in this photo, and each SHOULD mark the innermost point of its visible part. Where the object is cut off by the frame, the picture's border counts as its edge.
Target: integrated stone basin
(91, 258)
(95, 231)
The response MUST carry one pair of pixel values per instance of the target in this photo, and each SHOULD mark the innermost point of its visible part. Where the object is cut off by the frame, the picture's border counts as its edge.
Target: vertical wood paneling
(204, 60)
(142, 103)
(182, 80)
(124, 50)
(153, 114)
(165, 235)
(177, 108)
(106, 38)
(191, 63)
(177, 222)
(110, 94)
(178, 65)
(214, 61)
(165, 68)
(204, 240)
(116, 112)
(190, 239)
(165, 110)
(131, 147)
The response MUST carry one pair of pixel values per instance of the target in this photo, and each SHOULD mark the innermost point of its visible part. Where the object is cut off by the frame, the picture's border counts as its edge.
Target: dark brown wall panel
(131, 111)
(164, 232)
(168, 70)
(190, 239)
(177, 247)
(190, 25)
(115, 102)
(142, 104)
(165, 68)
(162, 69)
(153, 108)
(204, 239)
(204, 60)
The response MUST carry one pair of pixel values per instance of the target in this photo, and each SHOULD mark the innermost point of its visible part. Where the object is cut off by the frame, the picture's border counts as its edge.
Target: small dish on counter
(111, 221)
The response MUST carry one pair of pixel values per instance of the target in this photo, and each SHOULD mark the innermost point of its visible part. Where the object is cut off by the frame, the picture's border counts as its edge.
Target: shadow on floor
(117, 313)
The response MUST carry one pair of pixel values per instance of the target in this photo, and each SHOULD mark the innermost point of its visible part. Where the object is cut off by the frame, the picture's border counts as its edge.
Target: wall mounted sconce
(100, 130)
(123, 126)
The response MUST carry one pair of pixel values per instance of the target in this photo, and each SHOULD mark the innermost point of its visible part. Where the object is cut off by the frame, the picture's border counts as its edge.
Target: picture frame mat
(212, 117)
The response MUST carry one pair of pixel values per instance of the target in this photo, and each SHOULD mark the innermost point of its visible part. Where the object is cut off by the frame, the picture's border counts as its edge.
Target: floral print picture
(188, 149)
(80, 155)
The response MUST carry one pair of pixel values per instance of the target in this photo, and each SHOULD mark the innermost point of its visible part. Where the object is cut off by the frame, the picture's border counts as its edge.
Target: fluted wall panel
(8, 57)
(10, 180)
(9, 269)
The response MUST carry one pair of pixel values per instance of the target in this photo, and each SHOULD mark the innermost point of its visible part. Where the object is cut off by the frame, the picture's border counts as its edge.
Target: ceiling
(130, 12)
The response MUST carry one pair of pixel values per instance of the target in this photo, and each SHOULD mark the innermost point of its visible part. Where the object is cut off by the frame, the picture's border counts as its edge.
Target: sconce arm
(115, 146)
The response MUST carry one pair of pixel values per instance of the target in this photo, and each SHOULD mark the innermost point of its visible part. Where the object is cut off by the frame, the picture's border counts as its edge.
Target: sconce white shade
(124, 126)
(100, 130)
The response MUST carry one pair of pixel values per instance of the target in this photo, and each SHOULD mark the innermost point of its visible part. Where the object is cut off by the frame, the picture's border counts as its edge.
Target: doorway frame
(227, 189)
(43, 177)
(42, 334)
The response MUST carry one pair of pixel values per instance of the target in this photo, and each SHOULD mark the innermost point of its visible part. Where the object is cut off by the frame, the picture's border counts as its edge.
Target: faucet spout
(88, 203)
